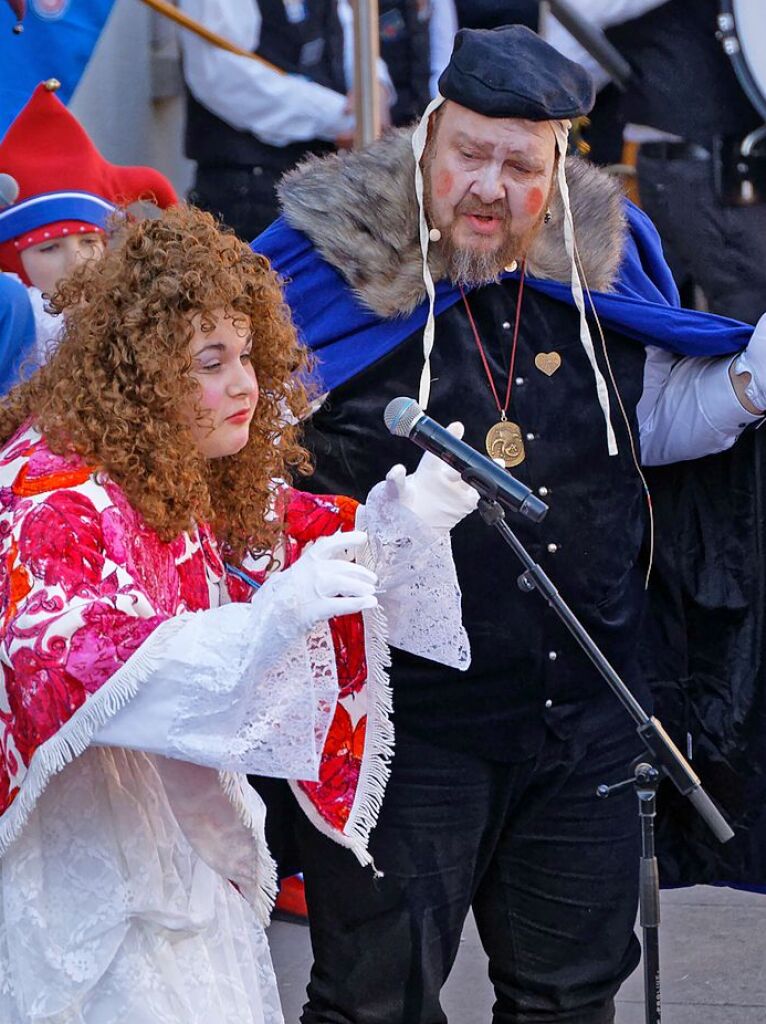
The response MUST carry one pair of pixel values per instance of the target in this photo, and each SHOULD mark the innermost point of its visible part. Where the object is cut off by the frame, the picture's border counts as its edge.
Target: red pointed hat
(51, 174)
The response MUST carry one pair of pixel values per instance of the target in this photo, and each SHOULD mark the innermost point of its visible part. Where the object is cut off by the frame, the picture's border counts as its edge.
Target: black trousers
(243, 198)
(549, 870)
(721, 248)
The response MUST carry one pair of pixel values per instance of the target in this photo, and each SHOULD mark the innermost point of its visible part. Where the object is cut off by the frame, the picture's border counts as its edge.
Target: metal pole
(646, 781)
(366, 53)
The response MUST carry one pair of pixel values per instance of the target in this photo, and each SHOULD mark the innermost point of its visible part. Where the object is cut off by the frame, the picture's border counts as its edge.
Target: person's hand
(345, 139)
(386, 102)
(748, 371)
(323, 583)
(434, 492)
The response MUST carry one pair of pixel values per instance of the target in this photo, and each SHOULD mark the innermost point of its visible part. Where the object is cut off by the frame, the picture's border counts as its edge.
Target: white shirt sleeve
(601, 14)
(442, 29)
(278, 109)
(688, 408)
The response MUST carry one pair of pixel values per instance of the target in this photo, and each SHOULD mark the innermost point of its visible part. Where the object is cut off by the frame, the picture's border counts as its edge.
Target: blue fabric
(17, 330)
(347, 338)
(47, 208)
(57, 44)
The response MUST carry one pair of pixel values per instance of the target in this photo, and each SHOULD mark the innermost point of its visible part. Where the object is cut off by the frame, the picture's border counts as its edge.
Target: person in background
(495, 13)
(686, 108)
(246, 124)
(415, 43)
(57, 195)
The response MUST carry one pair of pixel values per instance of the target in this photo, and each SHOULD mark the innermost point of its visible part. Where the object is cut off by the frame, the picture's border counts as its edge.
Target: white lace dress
(138, 889)
(124, 918)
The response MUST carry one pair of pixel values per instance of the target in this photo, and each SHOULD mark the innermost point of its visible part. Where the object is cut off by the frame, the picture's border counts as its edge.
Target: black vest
(405, 46)
(496, 13)
(312, 47)
(589, 542)
(684, 83)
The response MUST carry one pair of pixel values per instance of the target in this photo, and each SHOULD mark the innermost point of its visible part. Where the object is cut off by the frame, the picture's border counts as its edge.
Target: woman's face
(221, 365)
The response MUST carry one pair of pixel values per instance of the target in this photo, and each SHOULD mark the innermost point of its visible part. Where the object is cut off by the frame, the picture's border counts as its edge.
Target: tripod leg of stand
(649, 893)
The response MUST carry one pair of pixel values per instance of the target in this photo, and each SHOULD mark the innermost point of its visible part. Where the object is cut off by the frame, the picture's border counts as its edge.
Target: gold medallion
(504, 442)
(548, 362)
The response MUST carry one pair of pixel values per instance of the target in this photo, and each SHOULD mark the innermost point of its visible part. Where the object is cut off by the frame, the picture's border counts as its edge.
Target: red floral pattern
(348, 643)
(61, 542)
(333, 796)
(41, 697)
(104, 642)
(309, 517)
(341, 762)
(129, 542)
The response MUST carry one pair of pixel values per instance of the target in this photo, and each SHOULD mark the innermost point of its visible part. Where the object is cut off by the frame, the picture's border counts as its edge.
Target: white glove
(753, 361)
(434, 492)
(323, 583)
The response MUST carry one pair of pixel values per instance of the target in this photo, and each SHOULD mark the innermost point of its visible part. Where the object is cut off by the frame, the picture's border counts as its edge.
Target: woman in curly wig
(165, 628)
(116, 391)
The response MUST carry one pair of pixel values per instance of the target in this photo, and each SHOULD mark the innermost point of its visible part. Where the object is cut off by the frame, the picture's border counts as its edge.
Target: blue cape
(17, 330)
(346, 337)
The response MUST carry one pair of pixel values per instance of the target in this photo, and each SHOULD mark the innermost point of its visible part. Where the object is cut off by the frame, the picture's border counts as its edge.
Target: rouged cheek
(533, 201)
(211, 399)
(443, 184)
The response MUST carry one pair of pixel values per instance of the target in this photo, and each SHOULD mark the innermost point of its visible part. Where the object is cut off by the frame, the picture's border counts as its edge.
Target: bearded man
(491, 801)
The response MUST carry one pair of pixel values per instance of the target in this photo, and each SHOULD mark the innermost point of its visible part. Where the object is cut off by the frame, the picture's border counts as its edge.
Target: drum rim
(740, 63)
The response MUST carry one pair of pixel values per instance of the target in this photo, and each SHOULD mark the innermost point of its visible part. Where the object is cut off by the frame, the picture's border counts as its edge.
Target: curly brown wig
(116, 387)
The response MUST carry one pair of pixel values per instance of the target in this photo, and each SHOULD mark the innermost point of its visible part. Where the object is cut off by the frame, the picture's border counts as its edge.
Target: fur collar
(359, 210)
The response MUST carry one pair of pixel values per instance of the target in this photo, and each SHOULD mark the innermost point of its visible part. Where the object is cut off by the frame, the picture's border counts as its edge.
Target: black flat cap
(512, 72)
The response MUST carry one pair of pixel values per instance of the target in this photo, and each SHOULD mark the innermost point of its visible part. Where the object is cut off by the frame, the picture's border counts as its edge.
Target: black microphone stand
(665, 759)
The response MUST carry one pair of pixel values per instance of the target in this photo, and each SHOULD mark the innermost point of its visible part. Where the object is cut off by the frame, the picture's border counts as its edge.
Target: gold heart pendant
(548, 362)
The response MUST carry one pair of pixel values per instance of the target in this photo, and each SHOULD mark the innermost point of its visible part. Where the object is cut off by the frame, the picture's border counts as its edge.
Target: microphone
(405, 418)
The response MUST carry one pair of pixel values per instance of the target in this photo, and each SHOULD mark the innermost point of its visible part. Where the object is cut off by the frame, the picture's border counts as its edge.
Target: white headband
(561, 131)
(419, 140)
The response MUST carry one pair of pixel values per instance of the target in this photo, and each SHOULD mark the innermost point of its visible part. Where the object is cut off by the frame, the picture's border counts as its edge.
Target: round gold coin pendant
(504, 441)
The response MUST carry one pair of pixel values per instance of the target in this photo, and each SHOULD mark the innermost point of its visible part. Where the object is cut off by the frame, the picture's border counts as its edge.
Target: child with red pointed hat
(57, 194)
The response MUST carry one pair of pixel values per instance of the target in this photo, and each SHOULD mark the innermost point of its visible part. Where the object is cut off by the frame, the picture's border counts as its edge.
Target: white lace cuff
(420, 594)
(231, 694)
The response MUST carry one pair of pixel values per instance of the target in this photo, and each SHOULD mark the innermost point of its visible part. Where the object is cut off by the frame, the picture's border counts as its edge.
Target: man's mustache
(473, 207)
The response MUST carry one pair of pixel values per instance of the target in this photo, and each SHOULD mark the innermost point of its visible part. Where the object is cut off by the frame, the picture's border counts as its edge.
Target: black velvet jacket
(526, 671)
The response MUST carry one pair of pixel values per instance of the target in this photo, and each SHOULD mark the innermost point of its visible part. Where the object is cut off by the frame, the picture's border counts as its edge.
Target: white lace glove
(323, 583)
(434, 492)
(753, 361)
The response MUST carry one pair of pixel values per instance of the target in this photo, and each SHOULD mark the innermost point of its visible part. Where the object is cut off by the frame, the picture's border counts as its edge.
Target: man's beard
(472, 267)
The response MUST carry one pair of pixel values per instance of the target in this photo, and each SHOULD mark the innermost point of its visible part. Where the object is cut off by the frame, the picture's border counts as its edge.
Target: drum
(740, 164)
(742, 28)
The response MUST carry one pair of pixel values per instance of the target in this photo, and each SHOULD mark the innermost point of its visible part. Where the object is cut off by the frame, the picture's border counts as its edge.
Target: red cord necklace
(504, 440)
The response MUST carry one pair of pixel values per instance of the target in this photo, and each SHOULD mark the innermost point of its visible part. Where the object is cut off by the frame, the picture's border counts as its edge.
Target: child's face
(49, 262)
(221, 365)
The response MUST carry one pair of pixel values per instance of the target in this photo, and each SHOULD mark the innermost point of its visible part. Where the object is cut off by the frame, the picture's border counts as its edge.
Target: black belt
(674, 151)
